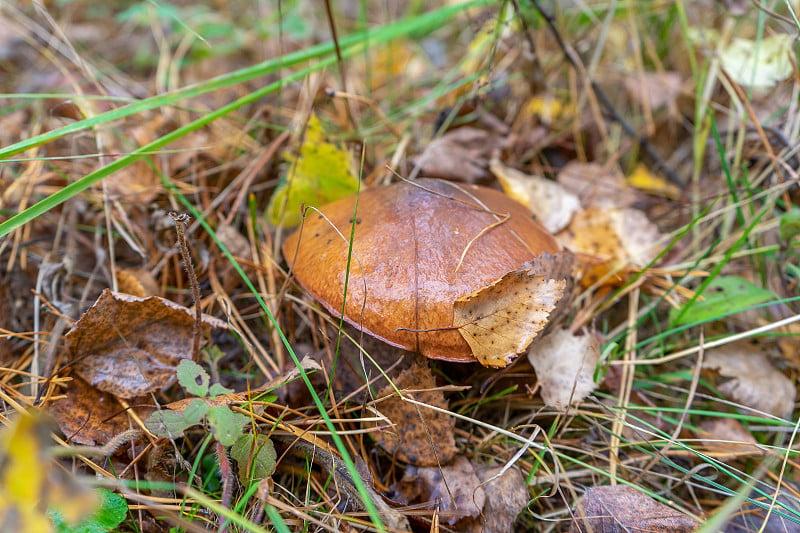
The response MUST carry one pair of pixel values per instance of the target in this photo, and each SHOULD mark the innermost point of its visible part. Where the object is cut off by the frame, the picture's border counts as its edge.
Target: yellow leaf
(319, 174)
(29, 486)
(644, 180)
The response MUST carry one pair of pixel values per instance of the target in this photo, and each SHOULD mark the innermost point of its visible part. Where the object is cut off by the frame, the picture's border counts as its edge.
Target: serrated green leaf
(227, 425)
(193, 378)
(172, 424)
(112, 511)
(217, 390)
(319, 174)
(258, 452)
(723, 296)
(789, 225)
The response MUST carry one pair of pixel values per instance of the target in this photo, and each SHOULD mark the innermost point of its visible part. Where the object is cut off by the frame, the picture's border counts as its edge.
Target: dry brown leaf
(506, 497)
(622, 508)
(461, 154)
(654, 90)
(501, 320)
(454, 490)
(551, 204)
(754, 382)
(565, 365)
(596, 185)
(129, 346)
(727, 436)
(90, 417)
(418, 436)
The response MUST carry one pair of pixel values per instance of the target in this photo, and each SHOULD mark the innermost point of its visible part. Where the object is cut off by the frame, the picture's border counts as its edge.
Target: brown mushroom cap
(418, 247)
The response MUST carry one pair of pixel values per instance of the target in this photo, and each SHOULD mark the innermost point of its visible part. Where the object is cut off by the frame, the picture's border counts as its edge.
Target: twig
(180, 220)
(226, 476)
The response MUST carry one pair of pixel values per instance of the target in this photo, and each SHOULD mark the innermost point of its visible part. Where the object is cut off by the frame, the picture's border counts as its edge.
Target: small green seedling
(226, 424)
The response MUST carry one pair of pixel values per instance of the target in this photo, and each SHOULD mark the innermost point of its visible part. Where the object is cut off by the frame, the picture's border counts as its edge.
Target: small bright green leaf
(790, 225)
(172, 424)
(112, 511)
(227, 425)
(320, 174)
(723, 296)
(217, 390)
(258, 452)
(193, 378)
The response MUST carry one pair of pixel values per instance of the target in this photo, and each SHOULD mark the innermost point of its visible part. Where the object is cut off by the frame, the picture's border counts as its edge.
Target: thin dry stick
(180, 220)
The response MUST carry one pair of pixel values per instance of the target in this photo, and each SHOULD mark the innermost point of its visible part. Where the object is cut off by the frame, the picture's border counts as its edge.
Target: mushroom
(453, 272)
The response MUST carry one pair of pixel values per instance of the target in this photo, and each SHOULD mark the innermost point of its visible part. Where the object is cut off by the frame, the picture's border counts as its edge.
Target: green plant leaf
(217, 390)
(193, 378)
(172, 424)
(319, 174)
(789, 225)
(723, 296)
(112, 511)
(257, 452)
(227, 425)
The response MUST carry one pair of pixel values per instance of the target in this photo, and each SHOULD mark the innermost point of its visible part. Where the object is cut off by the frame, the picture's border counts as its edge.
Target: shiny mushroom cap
(451, 271)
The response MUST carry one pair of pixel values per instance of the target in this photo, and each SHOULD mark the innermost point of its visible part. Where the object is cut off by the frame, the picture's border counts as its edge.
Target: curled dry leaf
(418, 436)
(551, 203)
(623, 508)
(129, 346)
(454, 490)
(753, 380)
(501, 320)
(418, 248)
(565, 365)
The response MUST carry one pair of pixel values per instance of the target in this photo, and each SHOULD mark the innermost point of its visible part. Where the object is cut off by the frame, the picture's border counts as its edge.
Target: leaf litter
(519, 106)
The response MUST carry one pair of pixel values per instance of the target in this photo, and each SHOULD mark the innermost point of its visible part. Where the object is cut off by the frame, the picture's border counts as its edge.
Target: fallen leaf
(654, 90)
(30, 486)
(506, 496)
(129, 346)
(551, 204)
(417, 436)
(620, 508)
(646, 181)
(461, 154)
(549, 109)
(320, 174)
(596, 185)
(761, 63)
(454, 490)
(765, 511)
(91, 417)
(606, 240)
(136, 282)
(501, 320)
(565, 365)
(728, 437)
(753, 380)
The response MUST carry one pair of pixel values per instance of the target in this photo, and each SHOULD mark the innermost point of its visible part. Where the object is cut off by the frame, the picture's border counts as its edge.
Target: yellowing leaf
(29, 486)
(320, 174)
(500, 320)
(644, 180)
(548, 110)
(760, 64)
